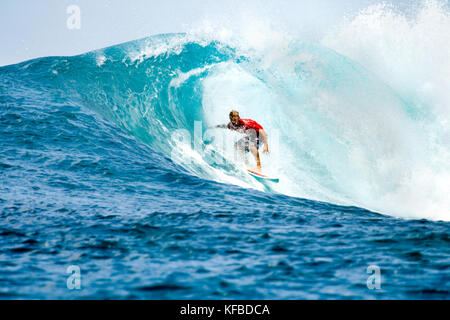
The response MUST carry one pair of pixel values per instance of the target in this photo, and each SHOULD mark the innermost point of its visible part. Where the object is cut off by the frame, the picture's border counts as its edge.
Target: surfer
(253, 133)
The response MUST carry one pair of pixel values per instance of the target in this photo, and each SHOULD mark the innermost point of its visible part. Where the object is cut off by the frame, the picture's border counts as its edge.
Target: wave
(338, 132)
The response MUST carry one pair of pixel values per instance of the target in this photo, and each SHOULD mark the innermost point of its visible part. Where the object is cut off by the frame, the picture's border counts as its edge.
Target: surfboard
(262, 177)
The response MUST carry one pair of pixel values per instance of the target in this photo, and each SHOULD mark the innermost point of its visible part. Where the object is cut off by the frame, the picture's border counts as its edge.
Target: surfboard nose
(262, 177)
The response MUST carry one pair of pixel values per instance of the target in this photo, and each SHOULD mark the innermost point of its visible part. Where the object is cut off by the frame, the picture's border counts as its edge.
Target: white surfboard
(262, 177)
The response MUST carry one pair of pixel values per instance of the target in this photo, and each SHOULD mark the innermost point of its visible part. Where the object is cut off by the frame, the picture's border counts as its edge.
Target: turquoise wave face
(336, 132)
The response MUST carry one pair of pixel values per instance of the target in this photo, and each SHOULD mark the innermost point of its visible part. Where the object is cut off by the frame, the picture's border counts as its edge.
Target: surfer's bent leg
(255, 152)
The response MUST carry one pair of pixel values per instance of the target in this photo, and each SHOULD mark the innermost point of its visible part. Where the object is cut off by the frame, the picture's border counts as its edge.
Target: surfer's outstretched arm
(266, 141)
(221, 126)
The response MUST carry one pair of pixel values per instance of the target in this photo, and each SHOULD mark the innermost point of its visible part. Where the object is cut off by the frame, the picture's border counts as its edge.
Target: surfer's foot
(257, 169)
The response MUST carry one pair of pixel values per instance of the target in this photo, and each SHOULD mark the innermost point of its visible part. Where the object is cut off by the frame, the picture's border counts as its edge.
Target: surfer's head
(234, 117)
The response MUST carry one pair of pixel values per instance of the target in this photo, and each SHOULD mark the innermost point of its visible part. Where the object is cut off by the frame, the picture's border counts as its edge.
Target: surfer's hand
(266, 149)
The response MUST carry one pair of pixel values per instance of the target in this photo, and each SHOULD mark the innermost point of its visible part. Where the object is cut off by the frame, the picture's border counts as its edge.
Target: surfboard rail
(263, 177)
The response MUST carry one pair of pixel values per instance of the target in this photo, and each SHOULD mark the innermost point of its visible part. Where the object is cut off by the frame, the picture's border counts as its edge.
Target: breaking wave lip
(344, 135)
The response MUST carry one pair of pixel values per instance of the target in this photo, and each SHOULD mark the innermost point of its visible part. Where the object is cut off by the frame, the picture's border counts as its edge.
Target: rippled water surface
(79, 189)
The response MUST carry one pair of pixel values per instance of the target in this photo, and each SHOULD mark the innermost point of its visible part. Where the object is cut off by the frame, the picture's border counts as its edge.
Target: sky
(37, 28)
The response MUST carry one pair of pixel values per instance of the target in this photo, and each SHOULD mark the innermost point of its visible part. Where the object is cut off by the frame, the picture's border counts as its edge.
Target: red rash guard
(245, 125)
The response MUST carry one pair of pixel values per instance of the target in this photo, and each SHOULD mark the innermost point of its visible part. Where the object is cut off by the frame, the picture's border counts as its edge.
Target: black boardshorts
(245, 142)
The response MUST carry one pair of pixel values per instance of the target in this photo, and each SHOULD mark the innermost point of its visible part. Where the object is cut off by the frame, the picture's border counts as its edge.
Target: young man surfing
(253, 133)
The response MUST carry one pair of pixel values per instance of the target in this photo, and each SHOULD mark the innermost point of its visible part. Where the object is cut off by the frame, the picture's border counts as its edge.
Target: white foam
(411, 53)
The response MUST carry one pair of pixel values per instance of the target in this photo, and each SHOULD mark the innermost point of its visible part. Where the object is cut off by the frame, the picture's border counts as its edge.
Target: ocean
(114, 186)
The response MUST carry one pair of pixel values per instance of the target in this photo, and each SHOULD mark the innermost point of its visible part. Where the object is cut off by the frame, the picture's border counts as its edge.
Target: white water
(346, 136)
(410, 52)
(366, 126)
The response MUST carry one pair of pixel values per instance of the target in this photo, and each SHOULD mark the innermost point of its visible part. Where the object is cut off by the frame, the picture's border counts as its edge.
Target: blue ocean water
(96, 172)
